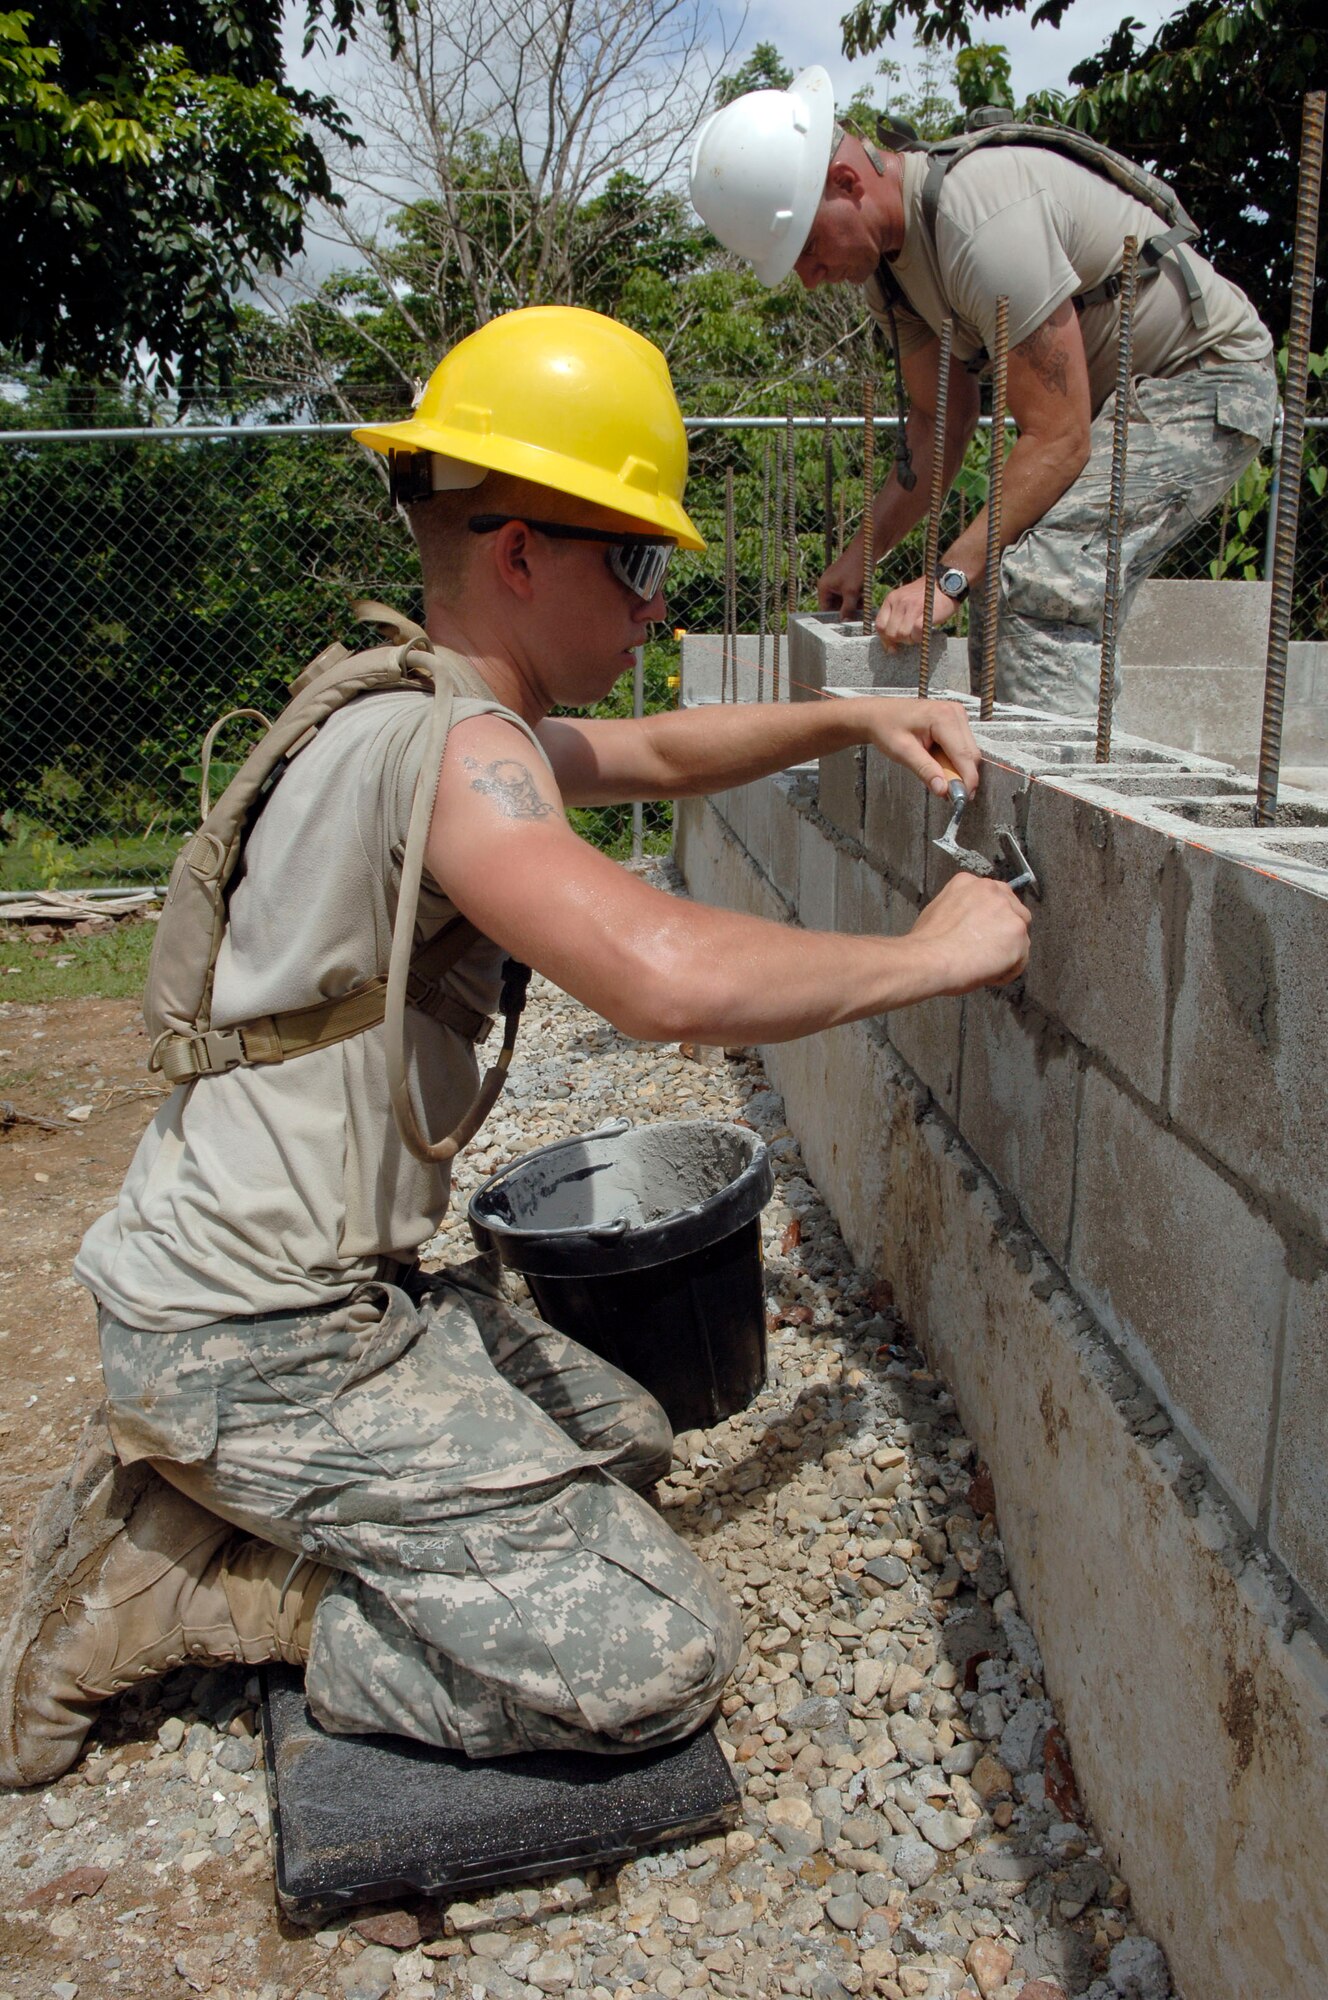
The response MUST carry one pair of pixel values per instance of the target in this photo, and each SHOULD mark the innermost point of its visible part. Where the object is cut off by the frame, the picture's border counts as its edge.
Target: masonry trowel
(1012, 867)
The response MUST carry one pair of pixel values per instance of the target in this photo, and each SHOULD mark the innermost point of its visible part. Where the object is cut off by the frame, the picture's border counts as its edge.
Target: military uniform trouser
(462, 1466)
(1190, 438)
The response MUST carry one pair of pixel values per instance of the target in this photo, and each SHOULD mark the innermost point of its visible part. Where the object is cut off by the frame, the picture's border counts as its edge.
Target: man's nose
(650, 610)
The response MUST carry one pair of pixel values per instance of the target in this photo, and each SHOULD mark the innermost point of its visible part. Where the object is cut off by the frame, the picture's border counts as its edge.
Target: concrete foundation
(1101, 1198)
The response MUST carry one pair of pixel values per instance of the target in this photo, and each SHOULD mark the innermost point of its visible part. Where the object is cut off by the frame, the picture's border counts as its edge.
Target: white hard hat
(758, 171)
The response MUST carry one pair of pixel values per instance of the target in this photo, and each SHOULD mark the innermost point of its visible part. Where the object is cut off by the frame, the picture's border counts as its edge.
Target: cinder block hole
(1158, 785)
(1232, 812)
(1067, 753)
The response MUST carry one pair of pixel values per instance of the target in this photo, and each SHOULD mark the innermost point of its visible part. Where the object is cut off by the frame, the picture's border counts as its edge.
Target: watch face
(954, 583)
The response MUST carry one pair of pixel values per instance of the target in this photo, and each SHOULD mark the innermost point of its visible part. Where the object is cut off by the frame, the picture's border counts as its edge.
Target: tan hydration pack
(177, 1001)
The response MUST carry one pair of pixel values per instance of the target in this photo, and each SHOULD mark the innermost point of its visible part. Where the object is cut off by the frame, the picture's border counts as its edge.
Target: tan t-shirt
(1038, 227)
(275, 1189)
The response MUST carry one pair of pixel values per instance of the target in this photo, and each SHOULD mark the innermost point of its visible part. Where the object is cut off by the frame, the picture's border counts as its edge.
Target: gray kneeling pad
(363, 1818)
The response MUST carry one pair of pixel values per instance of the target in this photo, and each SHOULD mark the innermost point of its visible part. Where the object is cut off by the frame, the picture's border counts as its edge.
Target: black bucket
(644, 1243)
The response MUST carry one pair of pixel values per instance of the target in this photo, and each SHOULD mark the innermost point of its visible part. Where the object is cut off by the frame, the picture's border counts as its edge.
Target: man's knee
(647, 1451)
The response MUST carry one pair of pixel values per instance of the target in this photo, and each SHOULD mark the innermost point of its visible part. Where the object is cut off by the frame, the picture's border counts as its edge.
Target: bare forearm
(718, 977)
(1037, 472)
(688, 752)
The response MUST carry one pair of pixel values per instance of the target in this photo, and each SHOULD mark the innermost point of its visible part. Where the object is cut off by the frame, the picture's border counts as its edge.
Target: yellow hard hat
(566, 398)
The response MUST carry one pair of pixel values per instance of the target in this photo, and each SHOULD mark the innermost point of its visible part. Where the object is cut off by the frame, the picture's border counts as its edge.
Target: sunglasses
(638, 561)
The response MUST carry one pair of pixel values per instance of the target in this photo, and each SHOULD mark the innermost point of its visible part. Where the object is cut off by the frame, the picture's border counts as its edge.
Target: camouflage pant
(1191, 437)
(461, 1465)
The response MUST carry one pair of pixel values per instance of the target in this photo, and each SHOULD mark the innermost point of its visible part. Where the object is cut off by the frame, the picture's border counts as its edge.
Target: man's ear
(843, 181)
(511, 559)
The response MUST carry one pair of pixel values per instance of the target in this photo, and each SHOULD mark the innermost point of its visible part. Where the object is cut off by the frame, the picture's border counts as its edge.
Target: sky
(1041, 58)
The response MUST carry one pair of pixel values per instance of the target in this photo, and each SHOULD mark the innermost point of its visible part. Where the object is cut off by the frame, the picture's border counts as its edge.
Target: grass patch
(108, 965)
(41, 861)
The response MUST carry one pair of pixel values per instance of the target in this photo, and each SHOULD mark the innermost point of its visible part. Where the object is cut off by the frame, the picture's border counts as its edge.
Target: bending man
(784, 186)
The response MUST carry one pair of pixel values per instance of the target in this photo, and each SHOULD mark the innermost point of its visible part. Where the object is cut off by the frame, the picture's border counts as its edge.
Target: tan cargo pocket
(181, 1427)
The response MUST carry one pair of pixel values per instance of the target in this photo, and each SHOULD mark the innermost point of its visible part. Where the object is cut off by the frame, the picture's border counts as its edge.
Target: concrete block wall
(1148, 1111)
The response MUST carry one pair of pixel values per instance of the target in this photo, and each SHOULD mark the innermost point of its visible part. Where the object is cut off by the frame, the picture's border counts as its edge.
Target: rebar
(1292, 454)
(791, 496)
(991, 582)
(776, 579)
(828, 487)
(868, 529)
(764, 606)
(1120, 444)
(730, 612)
(839, 523)
(937, 501)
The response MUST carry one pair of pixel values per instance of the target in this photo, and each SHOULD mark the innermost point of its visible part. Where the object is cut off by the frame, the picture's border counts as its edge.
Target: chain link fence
(150, 580)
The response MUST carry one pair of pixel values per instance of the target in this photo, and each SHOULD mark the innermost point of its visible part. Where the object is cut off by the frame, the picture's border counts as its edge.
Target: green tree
(1211, 101)
(764, 69)
(153, 159)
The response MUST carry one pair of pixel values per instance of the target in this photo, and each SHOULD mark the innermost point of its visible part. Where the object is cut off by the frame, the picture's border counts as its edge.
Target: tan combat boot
(124, 1579)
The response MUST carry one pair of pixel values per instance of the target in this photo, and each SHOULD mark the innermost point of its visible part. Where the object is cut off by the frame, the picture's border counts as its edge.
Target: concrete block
(824, 652)
(687, 818)
(1018, 1092)
(852, 876)
(758, 822)
(1216, 622)
(895, 823)
(927, 1035)
(701, 668)
(841, 794)
(1298, 1529)
(816, 876)
(1175, 1261)
(1217, 711)
(1102, 935)
(785, 820)
(1249, 1047)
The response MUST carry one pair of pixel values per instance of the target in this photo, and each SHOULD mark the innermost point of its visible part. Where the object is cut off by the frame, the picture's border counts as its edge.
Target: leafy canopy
(152, 159)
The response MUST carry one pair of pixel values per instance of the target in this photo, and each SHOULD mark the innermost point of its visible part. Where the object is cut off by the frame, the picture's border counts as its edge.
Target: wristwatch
(954, 583)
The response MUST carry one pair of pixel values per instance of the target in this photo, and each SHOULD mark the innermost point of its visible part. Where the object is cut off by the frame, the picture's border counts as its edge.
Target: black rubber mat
(357, 1819)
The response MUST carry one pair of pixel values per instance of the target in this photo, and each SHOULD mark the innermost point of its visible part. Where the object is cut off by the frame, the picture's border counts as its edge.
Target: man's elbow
(678, 994)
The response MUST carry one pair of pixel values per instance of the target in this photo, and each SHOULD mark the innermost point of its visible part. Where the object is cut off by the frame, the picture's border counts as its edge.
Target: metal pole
(828, 485)
(991, 582)
(792, 498)
(1293, 454)
(1274, 491)
(638, 710)
(776, 549)
(1120, 441)
(868, 529)
(933, 538)
(765, 574)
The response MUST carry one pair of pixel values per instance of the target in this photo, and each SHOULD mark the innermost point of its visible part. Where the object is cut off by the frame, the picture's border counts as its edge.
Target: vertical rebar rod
(991, 582)
(828, 487)
(791, 496)
(1120, 444)
(776, 546)
(931, 546)
(729, 618)
(868, 529)
(1292, 454)
(764, 606)
(839, 524)
(638, 710)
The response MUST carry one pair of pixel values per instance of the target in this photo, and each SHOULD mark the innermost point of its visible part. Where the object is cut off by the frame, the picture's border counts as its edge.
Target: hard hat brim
(542, 468)
(817, 93)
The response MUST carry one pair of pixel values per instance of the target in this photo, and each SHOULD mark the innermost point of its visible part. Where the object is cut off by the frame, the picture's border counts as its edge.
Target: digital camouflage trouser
(1191, 436)
(462, 1465)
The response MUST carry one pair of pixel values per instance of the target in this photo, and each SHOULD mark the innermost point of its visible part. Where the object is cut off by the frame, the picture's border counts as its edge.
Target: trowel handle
(958, 792)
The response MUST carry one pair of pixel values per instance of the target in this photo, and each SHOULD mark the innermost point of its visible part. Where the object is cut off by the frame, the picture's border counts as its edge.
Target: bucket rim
(617, 1246)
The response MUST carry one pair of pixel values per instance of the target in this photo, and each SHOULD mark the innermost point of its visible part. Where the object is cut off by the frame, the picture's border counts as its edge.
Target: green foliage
(152, 160)
(764, 69)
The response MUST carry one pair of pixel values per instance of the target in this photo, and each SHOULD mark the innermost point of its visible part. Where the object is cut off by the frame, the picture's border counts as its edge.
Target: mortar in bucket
(644, 1243)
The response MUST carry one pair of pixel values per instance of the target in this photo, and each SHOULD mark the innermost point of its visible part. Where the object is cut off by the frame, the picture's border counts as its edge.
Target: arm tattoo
(1046, 357)
(509, 784)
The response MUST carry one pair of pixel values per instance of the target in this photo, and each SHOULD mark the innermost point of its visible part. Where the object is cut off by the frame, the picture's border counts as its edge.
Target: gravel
(887, 1722)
